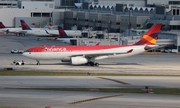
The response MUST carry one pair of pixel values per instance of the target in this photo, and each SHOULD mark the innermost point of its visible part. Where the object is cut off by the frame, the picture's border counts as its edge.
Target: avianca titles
(78, 55)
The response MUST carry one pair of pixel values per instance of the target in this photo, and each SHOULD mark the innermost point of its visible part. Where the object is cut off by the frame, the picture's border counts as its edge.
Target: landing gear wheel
(20, 34)
(96, 64)
(38, 63)
(91, 63)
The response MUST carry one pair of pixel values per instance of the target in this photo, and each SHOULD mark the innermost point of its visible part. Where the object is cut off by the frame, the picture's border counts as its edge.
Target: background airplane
(78, 55)
(32, 31)
(63, 37)
(45, 32)
(69, 33)
(9, 30)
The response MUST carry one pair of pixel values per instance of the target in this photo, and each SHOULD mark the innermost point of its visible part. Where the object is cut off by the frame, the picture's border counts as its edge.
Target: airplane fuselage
(68, 32)
(11, 30)
(35, 31)
(42, 32)
(64, 52)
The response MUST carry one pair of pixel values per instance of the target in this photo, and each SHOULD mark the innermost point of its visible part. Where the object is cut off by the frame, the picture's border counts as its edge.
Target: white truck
(17, 62)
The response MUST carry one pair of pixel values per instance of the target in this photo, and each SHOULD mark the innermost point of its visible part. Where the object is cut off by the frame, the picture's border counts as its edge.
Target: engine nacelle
(78, 60)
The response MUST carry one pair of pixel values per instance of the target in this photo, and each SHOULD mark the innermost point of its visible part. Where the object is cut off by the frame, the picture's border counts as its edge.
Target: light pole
(111, 11)
(77, 19)
(129, 23)
(96, 9)
(94, 20)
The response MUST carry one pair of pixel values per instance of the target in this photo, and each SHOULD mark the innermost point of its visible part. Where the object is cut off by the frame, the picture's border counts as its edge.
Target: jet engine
(78, 60)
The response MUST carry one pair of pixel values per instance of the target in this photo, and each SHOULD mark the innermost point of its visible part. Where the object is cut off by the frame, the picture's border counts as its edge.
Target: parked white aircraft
(78, 55)
(9, 30)
(71, 33)
(45, 32)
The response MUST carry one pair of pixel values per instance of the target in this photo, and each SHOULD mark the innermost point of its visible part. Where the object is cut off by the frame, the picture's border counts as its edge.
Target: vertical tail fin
(62, 33)
(2, 25)
(24, 25)
(151, 35)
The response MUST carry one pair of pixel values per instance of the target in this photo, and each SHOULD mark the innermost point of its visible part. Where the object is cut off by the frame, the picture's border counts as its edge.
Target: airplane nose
(24, 53)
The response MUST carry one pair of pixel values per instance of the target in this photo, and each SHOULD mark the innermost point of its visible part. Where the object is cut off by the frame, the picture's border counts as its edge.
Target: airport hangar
(119, 18)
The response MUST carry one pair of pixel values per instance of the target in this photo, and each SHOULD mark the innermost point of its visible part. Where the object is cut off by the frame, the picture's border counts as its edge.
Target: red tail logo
(2, 25)
(24, 25)
(62, 33)
(151, 35)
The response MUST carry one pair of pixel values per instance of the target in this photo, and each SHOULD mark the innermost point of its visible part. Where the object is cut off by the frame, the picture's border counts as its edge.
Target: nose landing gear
(38, 63)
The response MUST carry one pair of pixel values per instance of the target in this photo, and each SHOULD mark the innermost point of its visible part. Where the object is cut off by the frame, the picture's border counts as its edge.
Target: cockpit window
(27, 51)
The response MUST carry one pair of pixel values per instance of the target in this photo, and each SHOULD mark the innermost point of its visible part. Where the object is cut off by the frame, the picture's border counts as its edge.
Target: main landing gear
(93, 64)
(38, 63)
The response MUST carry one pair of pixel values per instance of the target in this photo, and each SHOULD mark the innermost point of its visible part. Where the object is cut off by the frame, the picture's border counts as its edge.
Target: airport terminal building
(122, 17)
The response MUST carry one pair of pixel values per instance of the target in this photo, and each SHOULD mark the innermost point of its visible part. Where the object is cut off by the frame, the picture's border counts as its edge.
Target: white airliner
(45, 32)
(9, 30)
(63, 37)
(70, 33)
(78, 55)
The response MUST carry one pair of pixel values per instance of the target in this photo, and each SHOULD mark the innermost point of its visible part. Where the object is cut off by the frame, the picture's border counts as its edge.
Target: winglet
(97, 44)
(46, 31)
(130, 51)
(24, 25)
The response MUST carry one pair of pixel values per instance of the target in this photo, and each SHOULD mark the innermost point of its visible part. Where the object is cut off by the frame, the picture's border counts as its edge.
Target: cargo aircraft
(79, 55)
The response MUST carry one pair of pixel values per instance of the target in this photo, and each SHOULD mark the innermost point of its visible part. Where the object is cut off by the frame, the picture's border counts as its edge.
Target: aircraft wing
(22, 31)
(104, 54)
(151, 47)
(52, 34)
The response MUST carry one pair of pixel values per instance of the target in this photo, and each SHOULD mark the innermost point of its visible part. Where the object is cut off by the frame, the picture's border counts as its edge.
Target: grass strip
(7, 107)
(172, 91)
(57, 89)
(43, 73)
(175, 91)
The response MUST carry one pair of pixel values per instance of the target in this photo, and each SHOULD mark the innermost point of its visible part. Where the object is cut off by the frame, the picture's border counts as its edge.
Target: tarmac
(166, 64)
(22, 98)
(139, 64)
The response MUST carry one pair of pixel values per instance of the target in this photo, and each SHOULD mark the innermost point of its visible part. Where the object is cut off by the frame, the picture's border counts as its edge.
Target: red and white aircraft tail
(24, 25)
(8, 30)
(2, 25)
(78, 55)
(150, 36)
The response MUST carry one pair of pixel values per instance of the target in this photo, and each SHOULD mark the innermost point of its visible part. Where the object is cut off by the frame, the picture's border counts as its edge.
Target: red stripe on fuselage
(71, 48)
